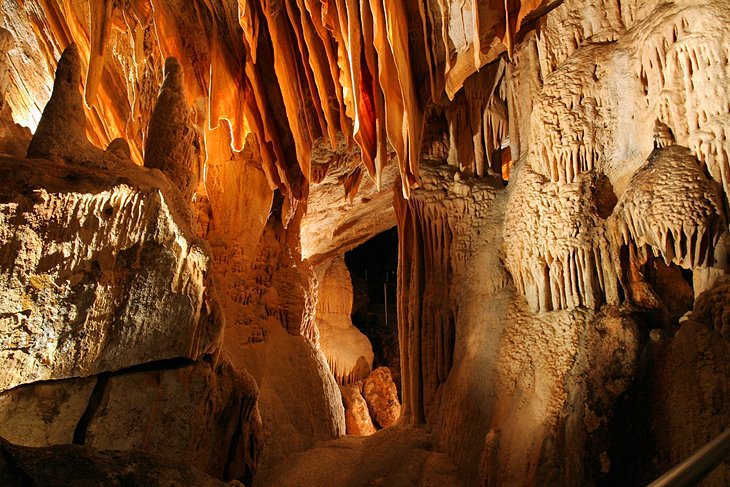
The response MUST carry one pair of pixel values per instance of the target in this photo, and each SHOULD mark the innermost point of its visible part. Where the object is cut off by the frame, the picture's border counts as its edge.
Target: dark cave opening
(373, 268)
(672, 289)
(663, 291)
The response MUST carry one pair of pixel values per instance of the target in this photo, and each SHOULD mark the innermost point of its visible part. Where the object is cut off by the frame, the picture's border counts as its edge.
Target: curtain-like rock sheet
(338, 66)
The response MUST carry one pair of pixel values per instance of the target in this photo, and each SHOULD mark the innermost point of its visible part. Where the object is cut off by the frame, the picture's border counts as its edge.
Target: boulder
(45, 413)
(382, 397)
(98, 272)
(357, 415)
(194, 413)
(63, 465)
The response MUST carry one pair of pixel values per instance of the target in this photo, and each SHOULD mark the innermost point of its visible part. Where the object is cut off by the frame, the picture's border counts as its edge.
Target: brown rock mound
(382, 397)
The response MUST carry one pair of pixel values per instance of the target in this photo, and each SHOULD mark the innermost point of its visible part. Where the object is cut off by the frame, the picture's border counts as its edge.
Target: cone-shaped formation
(117, 154)
(171, 138)
(349, 352)
(120, 148)
(61, 132)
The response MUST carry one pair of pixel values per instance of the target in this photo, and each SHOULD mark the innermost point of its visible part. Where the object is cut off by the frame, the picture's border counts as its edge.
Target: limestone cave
(341, 243)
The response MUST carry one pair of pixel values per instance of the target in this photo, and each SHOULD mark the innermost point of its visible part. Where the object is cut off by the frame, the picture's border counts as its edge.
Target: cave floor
(393, 457)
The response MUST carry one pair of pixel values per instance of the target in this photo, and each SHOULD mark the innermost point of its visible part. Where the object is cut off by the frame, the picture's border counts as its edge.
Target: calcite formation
(558, 172)
(692, 380)
(345, 208)
(61, 132)
(171, 138)
(348, 351)
(381, 396)
(357, 416)
(683, 227)
(108, 291)
(371, 403)
(46, 413)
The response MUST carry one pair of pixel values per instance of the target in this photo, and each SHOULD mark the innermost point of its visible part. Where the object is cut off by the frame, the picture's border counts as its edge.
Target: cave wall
(535, 318)
(613, 119)
(112, 330)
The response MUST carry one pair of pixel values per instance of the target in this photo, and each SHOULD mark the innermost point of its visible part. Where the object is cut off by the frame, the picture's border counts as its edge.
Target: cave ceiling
(296, 74)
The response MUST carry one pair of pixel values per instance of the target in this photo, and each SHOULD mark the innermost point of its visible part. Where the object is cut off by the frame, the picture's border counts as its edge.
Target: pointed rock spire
(171, 137)
(61, 132)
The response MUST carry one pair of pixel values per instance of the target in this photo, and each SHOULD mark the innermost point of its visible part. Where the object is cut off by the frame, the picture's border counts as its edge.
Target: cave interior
(299, 243)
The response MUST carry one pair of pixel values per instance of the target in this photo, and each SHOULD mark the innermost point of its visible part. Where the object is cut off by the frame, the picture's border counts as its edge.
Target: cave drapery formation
(182, 178)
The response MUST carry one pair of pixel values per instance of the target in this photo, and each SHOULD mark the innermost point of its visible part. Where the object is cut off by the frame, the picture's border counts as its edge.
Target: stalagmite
(171, 137)
(61, 133)
(349, 353)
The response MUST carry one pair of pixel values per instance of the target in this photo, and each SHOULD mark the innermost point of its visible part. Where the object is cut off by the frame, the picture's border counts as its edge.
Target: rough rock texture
(44, 413)
(693, 382)
(554, 242)
(295, 413)
(564, 182)
(195, 413)
(348, 351)
(171, 137)
(185, 411)
(268, 297)
(14, 139)
(685, 226)
(103, 277)
(357, 415)
(514, 376)
(345, 207)
(81, 249)
(61, 132)
(599, 192)
(381, 396)
(395, 456)
(83, 466)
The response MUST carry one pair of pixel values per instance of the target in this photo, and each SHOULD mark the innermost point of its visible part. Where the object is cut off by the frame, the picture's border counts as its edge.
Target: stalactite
(555, 246)
(100, 15)
(478, 122)
(673, 208)
(350, 55)
(434, 235)
(675, 69)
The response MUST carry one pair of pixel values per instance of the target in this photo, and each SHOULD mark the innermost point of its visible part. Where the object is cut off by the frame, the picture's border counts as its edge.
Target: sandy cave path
(393, 457)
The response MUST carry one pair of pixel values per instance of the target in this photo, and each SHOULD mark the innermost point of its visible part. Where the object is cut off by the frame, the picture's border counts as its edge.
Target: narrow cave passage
(373, 268)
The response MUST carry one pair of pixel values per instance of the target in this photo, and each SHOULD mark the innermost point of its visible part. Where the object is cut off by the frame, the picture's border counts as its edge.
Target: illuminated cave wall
(558, 172)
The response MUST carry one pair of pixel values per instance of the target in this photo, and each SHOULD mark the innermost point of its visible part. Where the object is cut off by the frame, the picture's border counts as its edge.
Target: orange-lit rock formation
(348, 351)
(172, 248)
